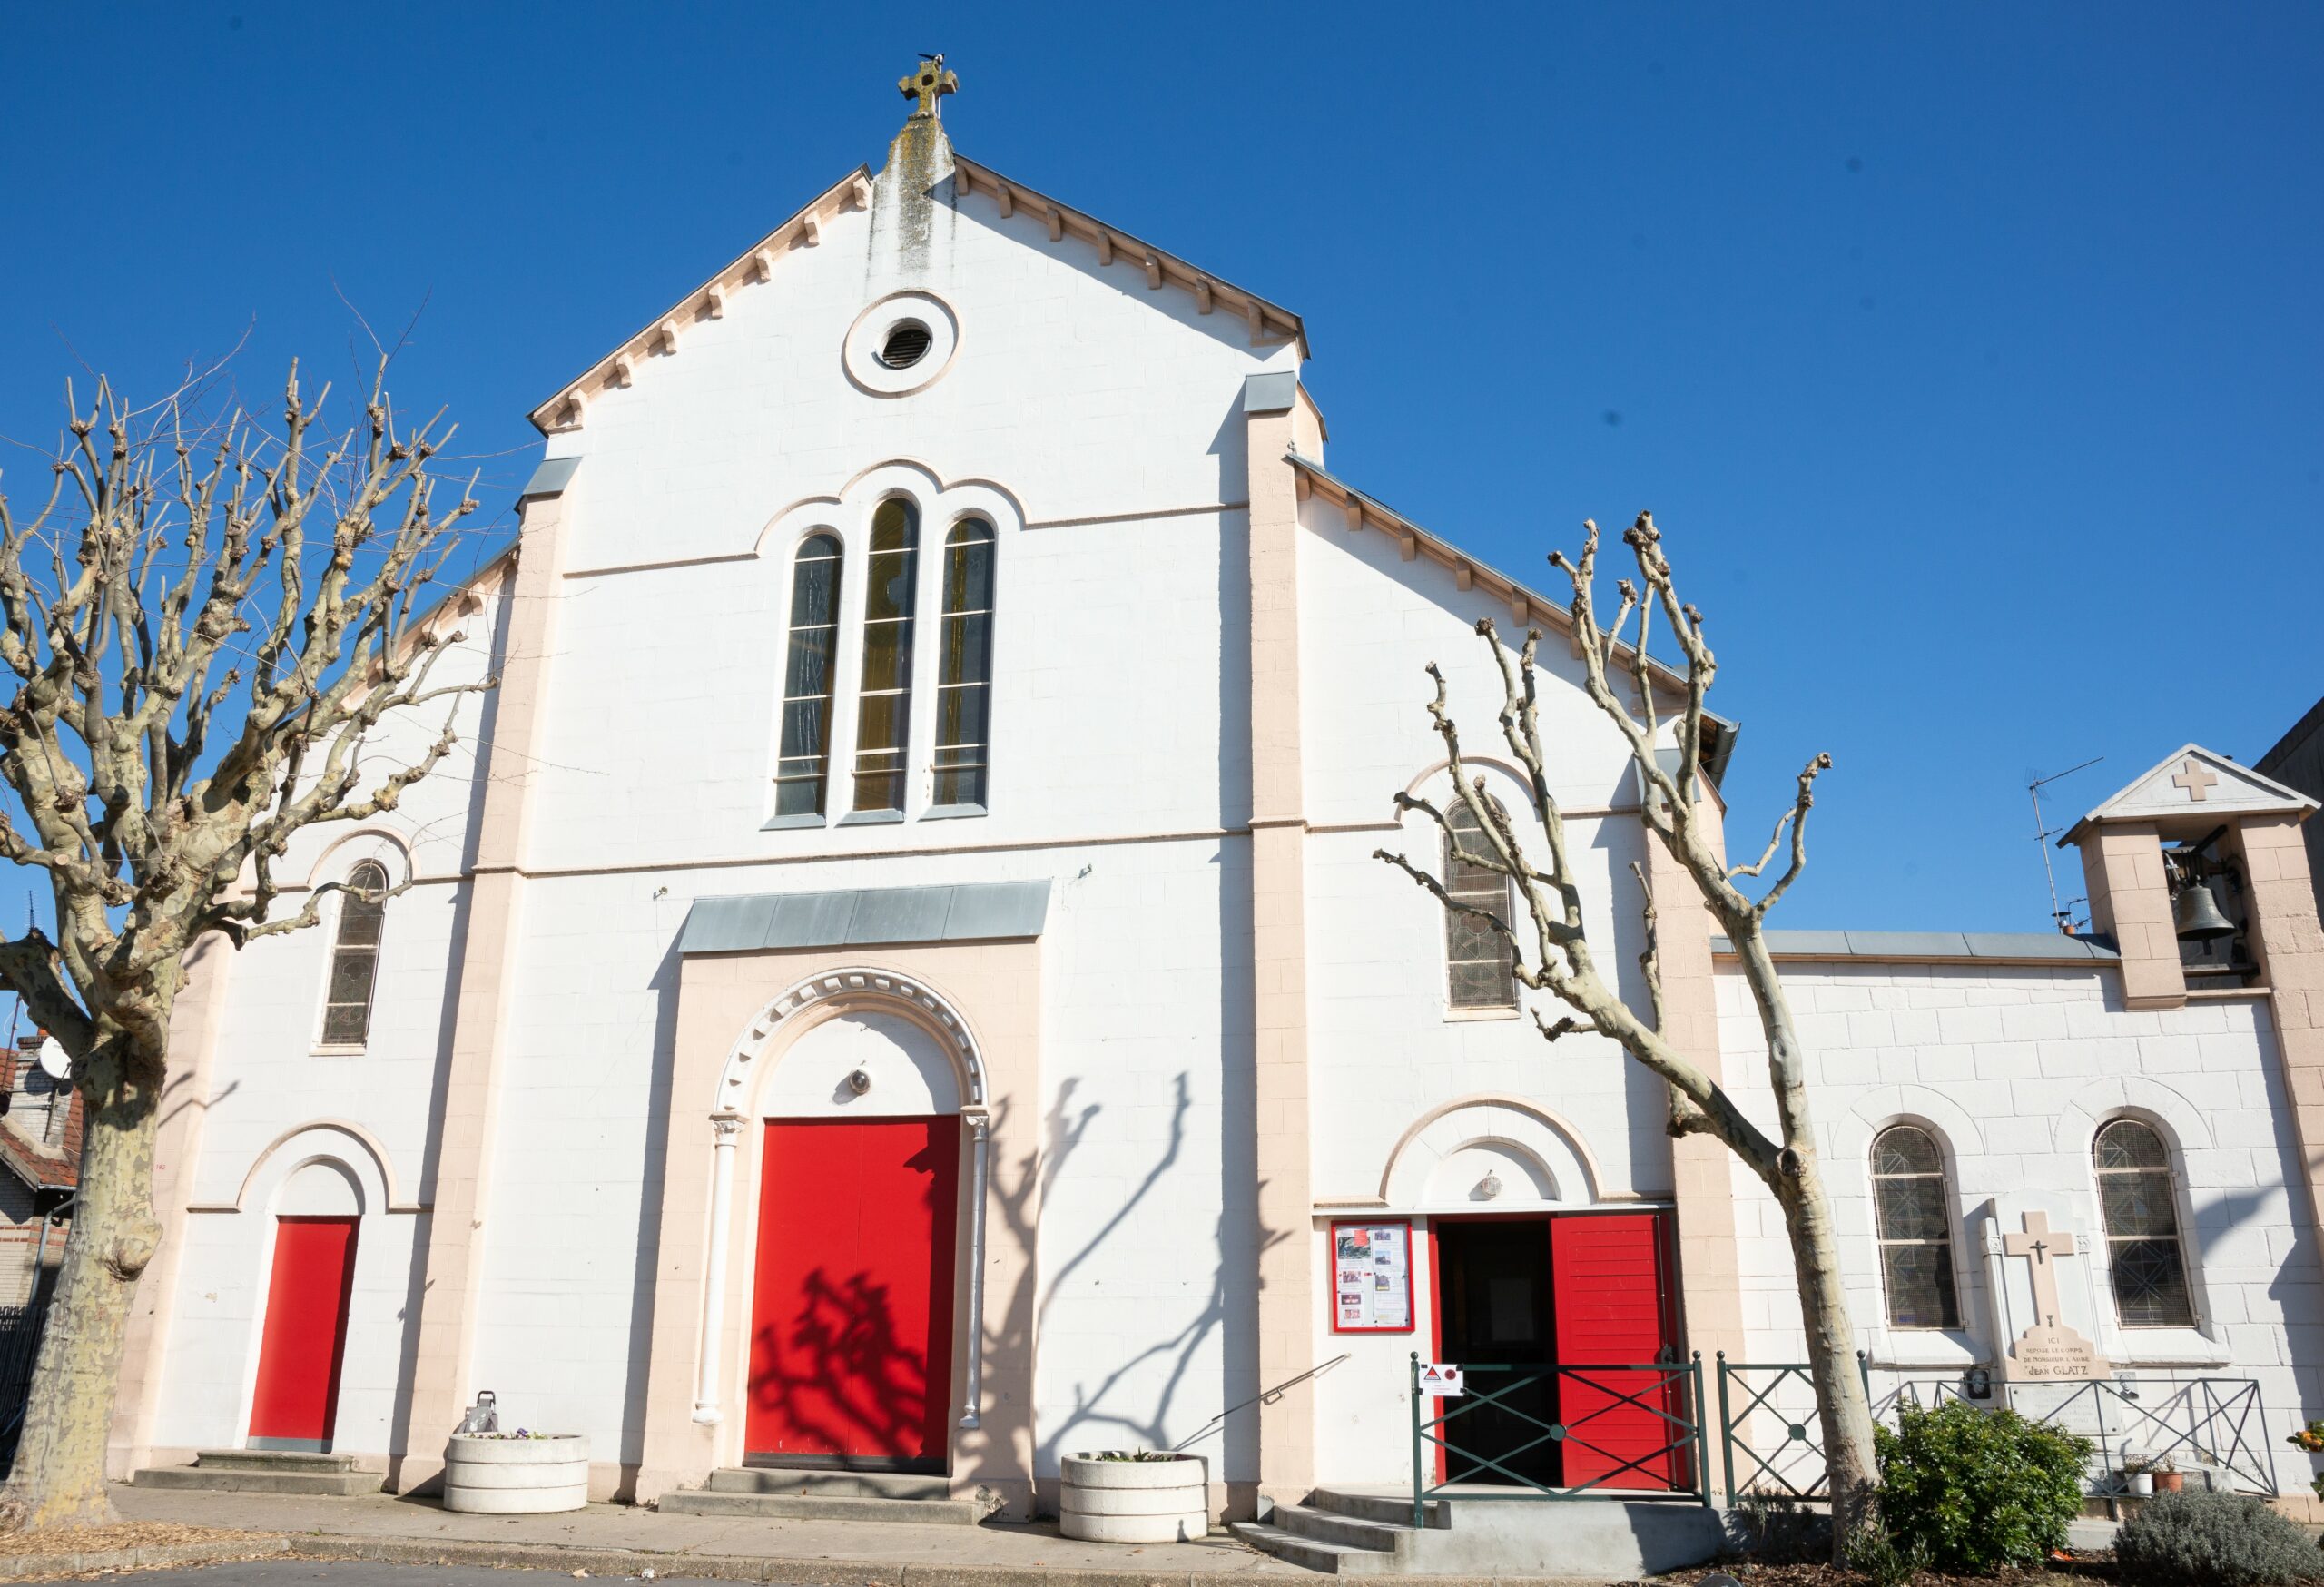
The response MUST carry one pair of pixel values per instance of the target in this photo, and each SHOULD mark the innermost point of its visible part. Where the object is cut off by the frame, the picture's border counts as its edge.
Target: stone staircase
(264, 1470)
(1342, 1533)
(825, 1496)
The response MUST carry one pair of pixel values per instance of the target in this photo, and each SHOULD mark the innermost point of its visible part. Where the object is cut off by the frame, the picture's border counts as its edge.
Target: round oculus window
(906, 345)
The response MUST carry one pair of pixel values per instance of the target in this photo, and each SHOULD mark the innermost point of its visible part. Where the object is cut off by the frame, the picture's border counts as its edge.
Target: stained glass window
(355, 957)
(2140, 1206)
(806, 756)
(1913, 1213)
(883, 719)
(1479, 963)
(964, 673)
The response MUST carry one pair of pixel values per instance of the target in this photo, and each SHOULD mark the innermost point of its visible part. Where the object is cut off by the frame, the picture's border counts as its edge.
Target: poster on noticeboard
(1372, 1279)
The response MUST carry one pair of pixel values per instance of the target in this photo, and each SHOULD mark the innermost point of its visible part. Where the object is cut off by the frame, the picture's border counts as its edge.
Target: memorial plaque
(2049, 1351)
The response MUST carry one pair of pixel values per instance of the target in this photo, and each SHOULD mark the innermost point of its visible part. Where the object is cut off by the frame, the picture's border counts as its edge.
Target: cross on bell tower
(928, 85)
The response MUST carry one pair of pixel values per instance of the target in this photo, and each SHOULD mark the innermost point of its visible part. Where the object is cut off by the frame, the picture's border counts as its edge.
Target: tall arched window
(884, 719)
(1478, 963)
(355, 957)
(964, 673)
(1913, 1215)
(804, 763)
(2140, 1206)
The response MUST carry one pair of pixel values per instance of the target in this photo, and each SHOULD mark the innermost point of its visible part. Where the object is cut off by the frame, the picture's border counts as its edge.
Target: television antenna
(2062, 917)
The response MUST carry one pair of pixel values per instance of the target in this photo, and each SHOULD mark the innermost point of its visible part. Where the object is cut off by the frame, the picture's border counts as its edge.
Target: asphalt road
(360, 1574)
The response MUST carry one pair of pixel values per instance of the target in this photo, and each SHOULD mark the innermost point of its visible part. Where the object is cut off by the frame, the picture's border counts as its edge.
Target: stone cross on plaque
(2049, 1349)
(2040, 1243)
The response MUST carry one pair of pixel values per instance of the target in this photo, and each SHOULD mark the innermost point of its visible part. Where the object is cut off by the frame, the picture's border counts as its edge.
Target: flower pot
(1135, 1500)
(516, 1477)
(2170, 1482)
(2141, 1483)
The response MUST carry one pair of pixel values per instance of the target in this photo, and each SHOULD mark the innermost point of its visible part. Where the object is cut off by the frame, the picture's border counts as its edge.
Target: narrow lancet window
(355, 957)
(1480, 968)
(2139, 1205)
(964, 678)
(804, 763)
(883, 722)
(1913, 1213)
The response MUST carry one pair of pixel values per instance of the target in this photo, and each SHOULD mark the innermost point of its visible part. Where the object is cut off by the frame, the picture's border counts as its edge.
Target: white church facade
(903, 980)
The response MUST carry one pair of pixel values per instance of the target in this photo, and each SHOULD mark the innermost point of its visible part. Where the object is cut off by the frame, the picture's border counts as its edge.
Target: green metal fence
(1596, 1416)
(1782, 1394)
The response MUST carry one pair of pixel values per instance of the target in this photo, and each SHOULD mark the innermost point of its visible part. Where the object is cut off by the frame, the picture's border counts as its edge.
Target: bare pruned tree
(208, 622)
(1552, 952)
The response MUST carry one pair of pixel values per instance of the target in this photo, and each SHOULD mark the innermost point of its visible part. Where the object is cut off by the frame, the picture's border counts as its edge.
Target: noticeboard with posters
(1372, 1279)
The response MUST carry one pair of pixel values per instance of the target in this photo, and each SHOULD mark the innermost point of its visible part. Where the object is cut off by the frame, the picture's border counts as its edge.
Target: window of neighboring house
(1914, 1218)
(2139, 1205)
(964, 673)
(804, 764)
(355, 957)
(1479, 964)
(883, 723)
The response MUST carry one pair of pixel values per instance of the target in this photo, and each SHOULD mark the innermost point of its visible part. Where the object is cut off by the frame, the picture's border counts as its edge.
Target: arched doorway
(850, 1346)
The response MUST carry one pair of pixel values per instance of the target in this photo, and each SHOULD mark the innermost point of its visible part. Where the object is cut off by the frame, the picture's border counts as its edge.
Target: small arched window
(883, 719)
(1478, 966)
(355, 957)
(804, 764)
(964, 673)
(2140, 1206)
(1913, 1215)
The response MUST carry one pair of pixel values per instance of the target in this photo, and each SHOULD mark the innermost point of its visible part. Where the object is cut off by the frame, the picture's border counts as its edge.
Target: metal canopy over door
(1614, 1308)
(851, 1312)
(296, 1398)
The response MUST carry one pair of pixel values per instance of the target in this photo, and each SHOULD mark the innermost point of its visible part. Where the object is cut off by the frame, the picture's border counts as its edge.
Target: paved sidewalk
(838, 1553)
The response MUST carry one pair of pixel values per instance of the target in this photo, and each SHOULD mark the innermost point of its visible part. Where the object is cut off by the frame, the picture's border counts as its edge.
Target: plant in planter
(2168, 1477)
(522, 1472)
(1146, 1496)
(2311, 1439)
(2137, 1471)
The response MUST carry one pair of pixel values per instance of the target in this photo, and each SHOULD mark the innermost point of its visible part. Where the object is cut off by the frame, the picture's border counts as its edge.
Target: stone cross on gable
(2039, 1244)
(928, 85)
(2195, 777)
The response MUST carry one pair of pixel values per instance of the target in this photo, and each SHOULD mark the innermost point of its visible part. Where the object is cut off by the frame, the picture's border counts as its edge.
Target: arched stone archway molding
(847, 512)
(2182, 1123)
(773, 1031)
(2185, 1129)
(1848, 1177)
(335, 1140)
(1561, 1150)
(391, 850)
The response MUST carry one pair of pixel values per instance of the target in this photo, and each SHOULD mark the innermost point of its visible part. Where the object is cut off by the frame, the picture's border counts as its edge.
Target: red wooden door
(1610, 1281)
(298, 1356)
(852, 1316)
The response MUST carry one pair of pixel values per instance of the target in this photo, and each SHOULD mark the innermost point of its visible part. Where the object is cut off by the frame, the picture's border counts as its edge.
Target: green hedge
(1976, 1490)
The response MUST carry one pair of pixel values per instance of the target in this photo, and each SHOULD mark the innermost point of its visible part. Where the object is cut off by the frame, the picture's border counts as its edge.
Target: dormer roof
(2193, 787)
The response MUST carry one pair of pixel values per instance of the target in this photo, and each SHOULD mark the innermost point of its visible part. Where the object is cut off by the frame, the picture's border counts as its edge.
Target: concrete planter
(516, 1477)
(1135, 1500)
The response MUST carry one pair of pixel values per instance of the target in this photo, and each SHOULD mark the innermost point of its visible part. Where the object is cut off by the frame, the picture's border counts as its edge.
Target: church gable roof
(2194, 783)
(567, 409)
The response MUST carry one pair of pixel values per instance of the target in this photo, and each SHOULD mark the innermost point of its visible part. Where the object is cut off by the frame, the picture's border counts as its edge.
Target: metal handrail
(1686, 1437)
(1318, 1370)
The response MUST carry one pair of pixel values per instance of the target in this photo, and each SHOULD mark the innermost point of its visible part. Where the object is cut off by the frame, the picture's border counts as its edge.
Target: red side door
(1612, 1296)
(296, 1396)
(851, 1315)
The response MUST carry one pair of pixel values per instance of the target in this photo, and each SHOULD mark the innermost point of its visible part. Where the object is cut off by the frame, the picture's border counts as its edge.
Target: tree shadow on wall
(838, 1380)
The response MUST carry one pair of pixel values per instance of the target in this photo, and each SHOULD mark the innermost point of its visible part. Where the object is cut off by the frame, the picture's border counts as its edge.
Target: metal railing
(20, 1331)
(2213, 1424)
(1599, 1417)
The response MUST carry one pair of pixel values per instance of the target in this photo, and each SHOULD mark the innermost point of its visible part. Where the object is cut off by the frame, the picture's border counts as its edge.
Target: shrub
(1976, 1490)
(2213, 1539)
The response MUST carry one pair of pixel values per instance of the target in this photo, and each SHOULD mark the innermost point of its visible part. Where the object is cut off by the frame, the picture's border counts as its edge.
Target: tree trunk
(1842, 1404)
(59, 1475)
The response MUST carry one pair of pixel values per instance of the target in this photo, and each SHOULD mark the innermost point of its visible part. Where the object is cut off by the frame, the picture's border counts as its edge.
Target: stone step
(1391, 1509)
(271, 1460)
(1345, 1531)
(1330, 1558)
(823, 1507)
(259, 1482)
(834, 1485)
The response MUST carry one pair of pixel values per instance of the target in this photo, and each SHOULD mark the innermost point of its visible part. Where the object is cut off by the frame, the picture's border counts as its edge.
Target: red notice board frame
(1411, 1284)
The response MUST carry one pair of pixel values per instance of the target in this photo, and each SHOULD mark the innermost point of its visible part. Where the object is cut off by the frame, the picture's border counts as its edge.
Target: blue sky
(1969, 355)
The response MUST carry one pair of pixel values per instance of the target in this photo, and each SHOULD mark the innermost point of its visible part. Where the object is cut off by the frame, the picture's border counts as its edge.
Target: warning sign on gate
(1437, 1378)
